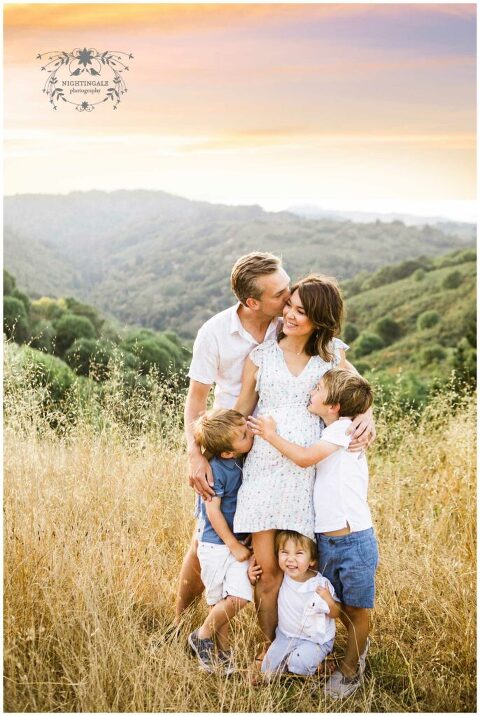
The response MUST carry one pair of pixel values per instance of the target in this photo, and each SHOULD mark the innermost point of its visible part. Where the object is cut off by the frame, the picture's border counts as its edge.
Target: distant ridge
(163, 261)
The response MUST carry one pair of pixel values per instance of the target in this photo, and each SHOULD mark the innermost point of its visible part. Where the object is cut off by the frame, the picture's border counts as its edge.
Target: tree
(70, 327)
(8, 283)
(350, 332)
(367, 343)
(15, 320)
(452, 280)
(427, 319)
(83, 309)
(388, 329)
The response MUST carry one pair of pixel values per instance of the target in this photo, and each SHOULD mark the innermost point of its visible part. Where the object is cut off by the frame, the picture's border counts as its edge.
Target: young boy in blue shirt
(224, 436)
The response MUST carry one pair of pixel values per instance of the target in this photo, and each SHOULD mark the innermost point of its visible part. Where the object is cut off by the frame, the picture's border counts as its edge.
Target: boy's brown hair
(306, 543)
(215, 430)
(352, 392)
(247, 269)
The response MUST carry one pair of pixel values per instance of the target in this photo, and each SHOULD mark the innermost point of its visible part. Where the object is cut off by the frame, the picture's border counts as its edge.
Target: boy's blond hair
(247, 269)
(215, 430)
(298, 539)
(352, 392)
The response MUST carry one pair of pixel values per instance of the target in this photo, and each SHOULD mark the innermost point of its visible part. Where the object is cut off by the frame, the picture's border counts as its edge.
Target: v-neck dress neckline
(286, 364)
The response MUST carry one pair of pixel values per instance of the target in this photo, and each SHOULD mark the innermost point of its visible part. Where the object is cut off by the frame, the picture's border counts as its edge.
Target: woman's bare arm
(248, 397)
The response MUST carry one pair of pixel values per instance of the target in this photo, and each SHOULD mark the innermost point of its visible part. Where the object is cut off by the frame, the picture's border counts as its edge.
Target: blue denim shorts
(349, 562)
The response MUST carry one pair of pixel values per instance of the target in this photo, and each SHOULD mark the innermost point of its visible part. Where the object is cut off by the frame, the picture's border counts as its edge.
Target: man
(261, 286)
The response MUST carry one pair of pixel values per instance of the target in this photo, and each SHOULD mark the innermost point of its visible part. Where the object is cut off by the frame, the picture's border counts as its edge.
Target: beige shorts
(222, 574)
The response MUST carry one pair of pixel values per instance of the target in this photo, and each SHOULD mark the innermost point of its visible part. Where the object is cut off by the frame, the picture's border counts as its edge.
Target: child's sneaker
(225, 659)
(204, 650)
(339, 686)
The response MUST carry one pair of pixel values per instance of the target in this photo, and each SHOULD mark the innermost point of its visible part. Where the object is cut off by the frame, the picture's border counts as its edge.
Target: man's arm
(265, 427)
(199, 471)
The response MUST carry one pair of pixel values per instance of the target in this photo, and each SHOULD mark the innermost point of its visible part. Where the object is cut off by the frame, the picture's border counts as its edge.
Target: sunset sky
(272, 104)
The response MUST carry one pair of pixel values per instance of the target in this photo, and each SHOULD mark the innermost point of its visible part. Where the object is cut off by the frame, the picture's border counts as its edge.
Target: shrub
(419, 274)
(428, 319)
(43, 336)
(68, 328)
(89, 357)
(452, 280)
(50, 372)
(388, 329)
(350, 332)
(367, 343)
(432, 354)
(15, 319)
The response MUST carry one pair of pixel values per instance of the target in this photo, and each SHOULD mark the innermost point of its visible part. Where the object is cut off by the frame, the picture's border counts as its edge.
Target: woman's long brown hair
(323, 305)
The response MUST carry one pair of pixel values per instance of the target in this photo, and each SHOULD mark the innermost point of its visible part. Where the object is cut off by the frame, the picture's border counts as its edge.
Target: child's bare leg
(190, 585)
(219, 618)
(357, 623)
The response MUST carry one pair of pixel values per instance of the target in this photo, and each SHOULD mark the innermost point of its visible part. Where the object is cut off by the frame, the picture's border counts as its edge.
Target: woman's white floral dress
(276, 493)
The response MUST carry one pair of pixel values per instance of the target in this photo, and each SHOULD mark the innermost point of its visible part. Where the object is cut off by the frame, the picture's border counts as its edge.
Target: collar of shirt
(236, 326)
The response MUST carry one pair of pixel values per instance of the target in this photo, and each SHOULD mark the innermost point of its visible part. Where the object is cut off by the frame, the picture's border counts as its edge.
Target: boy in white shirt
(307, 609)
(347, 548)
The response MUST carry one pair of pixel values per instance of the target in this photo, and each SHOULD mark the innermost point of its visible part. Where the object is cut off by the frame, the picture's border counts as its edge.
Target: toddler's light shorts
(222, 574)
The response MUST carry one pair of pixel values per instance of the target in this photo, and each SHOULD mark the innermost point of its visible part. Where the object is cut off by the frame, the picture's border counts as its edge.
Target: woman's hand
(363, 432)
(264, 426)
(254, 571)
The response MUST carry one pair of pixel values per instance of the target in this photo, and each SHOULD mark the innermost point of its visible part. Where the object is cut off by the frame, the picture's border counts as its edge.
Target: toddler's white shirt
(302, 613)
(341, 484)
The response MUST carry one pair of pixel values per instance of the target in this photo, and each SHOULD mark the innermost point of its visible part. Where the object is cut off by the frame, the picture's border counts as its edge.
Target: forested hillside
(163, 262)
(414, 323)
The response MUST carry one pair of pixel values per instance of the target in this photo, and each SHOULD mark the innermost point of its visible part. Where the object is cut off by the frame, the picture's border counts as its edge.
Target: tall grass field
(98, 515)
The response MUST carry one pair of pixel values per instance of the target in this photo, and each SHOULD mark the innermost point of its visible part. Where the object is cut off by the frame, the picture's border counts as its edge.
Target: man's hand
(264, 426)
(200, 476)
(240, 552)
(254, 571)
(363, 432)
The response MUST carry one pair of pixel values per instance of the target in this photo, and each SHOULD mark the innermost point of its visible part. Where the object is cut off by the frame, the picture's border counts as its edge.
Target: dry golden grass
(96, 524)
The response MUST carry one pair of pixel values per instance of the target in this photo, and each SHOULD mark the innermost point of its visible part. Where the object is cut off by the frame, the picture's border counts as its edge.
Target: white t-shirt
(219, 352)
(302, 612)
(341, 484)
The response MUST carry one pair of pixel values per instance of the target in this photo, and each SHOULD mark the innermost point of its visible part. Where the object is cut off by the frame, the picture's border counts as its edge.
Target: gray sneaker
(225, 660)
(339, 686)
(204, 650)
(363, 658)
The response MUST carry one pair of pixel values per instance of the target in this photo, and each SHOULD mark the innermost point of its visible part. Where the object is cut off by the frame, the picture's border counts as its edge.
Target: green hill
(426, 321)
(163, 262)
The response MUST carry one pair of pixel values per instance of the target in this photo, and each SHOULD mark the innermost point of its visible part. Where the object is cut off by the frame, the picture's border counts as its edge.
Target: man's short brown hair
(215, 430)
(247, 270)
(306, 543)
(352, 392)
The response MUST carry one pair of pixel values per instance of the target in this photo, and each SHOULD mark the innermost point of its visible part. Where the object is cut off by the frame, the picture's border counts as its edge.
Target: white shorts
(222, 574)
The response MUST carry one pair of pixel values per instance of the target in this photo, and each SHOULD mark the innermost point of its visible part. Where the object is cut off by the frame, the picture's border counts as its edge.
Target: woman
(275, 493)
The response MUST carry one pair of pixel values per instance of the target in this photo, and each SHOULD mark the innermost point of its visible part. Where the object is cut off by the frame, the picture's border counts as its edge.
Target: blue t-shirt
(227, 478)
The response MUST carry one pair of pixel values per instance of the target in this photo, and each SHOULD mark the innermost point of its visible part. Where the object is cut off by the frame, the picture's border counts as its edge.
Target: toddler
(307, 609)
